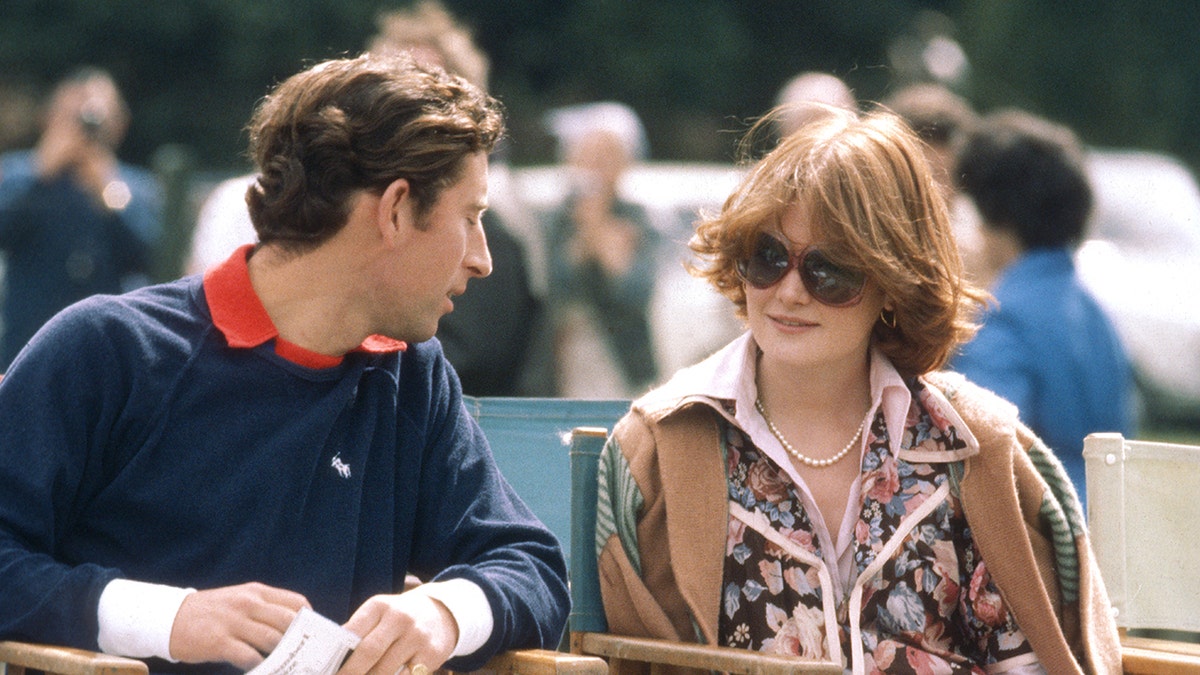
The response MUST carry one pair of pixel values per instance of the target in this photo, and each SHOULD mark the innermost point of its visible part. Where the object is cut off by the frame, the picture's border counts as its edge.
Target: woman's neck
(826, 391)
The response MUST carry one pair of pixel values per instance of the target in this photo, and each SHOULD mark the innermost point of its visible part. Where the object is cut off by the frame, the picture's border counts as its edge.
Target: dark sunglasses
(830, 284)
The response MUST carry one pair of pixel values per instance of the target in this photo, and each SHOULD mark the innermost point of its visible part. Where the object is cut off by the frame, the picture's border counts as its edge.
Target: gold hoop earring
(885, 315)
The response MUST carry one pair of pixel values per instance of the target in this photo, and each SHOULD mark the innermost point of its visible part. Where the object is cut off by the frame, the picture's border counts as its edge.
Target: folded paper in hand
(312, 645)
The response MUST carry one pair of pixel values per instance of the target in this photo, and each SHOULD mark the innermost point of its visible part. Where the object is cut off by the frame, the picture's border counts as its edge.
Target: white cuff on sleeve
(469, 607)
(136, 618)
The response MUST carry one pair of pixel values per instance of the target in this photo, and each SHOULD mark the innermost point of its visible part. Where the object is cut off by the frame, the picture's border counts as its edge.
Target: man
(1046, 345)
(283, 431)
(74, 221)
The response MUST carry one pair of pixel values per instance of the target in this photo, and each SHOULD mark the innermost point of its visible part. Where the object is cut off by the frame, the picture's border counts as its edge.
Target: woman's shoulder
(714, 381)
(972, 401)
(1006, 447)
(993, 421)
(665, 415)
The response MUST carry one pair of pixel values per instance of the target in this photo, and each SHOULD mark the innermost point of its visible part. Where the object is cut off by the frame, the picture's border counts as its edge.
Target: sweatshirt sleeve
(472, 525)
(136, 618)
(54, 414)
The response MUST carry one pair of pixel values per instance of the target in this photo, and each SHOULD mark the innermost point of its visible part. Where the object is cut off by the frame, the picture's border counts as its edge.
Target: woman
(816, 487)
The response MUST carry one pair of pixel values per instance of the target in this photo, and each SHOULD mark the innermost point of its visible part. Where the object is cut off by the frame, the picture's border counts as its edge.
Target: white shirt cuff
(136, 618)
(469, 607)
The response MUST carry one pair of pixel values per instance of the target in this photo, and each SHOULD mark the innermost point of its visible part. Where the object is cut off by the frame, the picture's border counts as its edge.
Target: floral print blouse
(921, 600)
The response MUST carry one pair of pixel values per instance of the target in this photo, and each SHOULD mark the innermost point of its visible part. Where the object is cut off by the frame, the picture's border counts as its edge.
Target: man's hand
(235, 624)
(61, 145)
(399, 631)
(602, 236)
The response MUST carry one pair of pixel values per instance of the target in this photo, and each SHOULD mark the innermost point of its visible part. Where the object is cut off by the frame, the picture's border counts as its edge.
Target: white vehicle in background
(1141, 259)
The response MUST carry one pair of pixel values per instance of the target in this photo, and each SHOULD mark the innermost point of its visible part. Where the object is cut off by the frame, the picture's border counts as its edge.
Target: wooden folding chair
(17, 657)
(1144, 517)
(588, 627)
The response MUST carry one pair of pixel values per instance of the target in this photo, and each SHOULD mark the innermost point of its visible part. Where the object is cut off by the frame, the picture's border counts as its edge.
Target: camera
(92, 120)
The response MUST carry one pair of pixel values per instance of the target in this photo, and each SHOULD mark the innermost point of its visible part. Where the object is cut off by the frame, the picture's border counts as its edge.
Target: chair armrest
(545, 662)
(706, 657)
(1149, 656)
(65, 661)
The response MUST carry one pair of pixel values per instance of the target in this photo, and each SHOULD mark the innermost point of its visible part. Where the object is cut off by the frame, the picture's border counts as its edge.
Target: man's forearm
(136, 618)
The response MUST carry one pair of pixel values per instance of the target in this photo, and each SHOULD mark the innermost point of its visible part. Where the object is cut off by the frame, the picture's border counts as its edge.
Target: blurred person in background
(19, 103)
(74, 220)
(943, 120)
(1045, 345)
(810, 87)
(602, 258)
(491, 338)
(842, 497)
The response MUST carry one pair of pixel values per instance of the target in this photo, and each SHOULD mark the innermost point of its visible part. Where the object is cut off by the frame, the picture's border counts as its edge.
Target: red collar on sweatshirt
(240, 316)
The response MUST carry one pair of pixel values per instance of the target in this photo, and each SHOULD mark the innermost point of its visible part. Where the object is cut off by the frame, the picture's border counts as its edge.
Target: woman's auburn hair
(867, 185)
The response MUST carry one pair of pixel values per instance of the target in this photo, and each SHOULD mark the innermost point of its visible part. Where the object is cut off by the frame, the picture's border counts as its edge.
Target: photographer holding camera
(74, 220)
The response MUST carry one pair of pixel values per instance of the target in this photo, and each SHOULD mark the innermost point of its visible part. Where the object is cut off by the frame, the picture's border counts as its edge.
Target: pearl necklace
(805, 459)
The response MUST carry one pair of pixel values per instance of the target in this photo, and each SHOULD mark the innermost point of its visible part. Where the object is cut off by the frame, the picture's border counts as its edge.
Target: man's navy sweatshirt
(135, 442)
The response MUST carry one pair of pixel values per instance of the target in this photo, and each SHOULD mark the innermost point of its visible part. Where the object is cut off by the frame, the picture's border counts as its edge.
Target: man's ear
(396, 211)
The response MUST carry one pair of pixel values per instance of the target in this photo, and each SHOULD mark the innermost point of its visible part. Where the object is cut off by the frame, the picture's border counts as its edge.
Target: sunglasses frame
(796, 262)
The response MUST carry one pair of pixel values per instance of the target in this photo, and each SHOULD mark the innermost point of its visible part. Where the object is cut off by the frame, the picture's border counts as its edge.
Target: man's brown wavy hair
(349, 125)
(875, 207)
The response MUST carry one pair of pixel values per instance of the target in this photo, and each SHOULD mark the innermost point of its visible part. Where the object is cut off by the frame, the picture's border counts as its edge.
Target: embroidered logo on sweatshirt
(341, 467)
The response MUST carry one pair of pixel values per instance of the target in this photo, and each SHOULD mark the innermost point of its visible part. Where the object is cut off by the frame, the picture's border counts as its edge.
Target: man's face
(439, 255)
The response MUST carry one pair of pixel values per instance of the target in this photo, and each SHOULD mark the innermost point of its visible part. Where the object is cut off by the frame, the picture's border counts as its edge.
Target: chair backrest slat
(1143, 517)
(587, 609)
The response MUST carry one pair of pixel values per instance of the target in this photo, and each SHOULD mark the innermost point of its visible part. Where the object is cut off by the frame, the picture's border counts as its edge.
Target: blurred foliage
(192, 70)
(1121, 72)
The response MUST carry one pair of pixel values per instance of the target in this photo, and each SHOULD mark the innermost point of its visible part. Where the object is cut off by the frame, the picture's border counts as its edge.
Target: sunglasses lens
(829, 283)
(767, 264)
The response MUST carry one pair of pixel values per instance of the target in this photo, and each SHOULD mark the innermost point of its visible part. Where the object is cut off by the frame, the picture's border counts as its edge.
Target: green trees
(1122, 72)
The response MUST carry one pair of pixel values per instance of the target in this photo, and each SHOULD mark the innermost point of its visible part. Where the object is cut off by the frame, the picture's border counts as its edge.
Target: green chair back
(587, 609)
(530, 439)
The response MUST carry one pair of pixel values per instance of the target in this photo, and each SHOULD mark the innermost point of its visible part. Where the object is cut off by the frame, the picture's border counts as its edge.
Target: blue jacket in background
(1050, 348)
